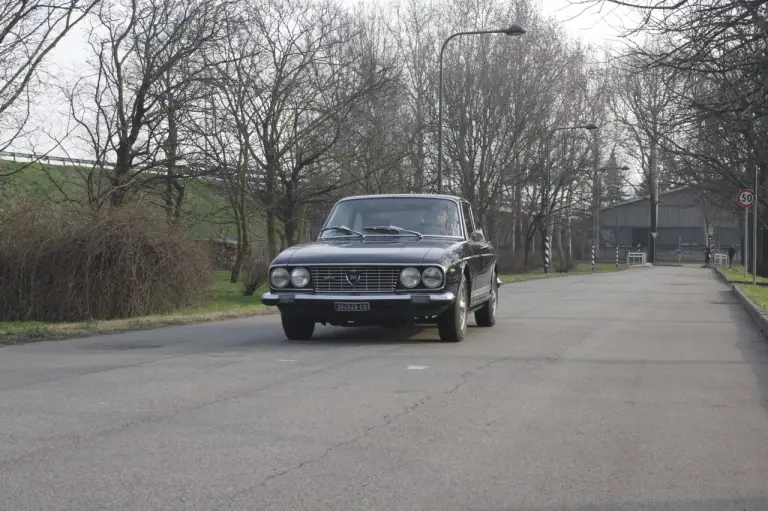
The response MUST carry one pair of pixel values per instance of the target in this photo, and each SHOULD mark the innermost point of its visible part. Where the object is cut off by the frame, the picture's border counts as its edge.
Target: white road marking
(417, 368)
(286, 360)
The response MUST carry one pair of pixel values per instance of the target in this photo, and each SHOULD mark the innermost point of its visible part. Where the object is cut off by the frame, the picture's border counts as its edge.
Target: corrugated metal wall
(681, 222)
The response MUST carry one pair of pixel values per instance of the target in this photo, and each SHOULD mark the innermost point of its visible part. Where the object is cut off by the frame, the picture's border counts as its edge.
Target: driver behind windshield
(437, 221)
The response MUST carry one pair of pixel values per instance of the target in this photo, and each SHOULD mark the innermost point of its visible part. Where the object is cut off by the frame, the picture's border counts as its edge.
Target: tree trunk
(558, 241)
(241, 217)
(122, 171)
(174, 191)
(271, 235)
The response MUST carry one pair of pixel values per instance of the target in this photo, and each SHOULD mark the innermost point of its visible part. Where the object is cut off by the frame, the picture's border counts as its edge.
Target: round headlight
(432, 277)
(279, 277)
(300, 277)
(410, 277)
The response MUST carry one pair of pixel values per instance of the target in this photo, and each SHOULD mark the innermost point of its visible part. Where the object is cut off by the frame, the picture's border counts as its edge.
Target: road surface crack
(464, 377)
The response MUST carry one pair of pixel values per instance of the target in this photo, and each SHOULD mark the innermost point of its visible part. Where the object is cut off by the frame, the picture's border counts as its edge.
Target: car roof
(403, 195)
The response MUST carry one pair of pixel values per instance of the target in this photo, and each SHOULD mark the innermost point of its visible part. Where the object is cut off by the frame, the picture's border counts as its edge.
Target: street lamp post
(512, 30)
(547, 183)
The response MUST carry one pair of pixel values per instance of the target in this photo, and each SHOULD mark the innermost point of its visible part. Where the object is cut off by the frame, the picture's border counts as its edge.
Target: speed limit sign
(746, 198)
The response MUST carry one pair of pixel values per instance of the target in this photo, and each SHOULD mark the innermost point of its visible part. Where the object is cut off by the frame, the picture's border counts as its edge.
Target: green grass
(580, 268)
(736, 274)
(226, 301)
(226, 296)
(758, 294)
(206, 208)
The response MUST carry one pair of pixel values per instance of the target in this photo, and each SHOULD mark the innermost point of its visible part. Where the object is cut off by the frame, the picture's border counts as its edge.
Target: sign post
(746, 198)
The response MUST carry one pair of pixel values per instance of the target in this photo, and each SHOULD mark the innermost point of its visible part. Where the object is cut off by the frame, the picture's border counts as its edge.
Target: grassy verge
(227, 301)
(579, 269)
(736, 275)
(758, 293)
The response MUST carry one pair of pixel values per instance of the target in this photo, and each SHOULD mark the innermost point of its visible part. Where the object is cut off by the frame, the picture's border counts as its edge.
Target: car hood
(426, 251)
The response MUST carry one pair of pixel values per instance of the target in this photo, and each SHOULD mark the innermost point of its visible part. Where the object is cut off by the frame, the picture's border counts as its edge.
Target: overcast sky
(597, 25)
(594, 25)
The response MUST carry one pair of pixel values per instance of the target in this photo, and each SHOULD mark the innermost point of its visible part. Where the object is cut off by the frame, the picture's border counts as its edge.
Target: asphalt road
(642, 390)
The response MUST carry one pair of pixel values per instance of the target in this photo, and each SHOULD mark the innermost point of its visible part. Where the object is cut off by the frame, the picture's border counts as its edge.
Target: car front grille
(341, 279)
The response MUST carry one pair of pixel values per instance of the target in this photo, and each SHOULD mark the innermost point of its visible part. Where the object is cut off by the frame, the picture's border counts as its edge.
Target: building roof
(645, 198)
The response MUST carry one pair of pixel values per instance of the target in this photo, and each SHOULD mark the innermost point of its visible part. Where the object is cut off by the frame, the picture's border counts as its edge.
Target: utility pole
(513, 30)
(595, 201)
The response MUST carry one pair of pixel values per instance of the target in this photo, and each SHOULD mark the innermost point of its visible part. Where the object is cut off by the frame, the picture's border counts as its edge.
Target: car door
(478, 260)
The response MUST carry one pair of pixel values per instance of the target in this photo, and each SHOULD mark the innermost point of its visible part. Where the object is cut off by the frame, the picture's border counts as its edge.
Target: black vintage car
(389, 260)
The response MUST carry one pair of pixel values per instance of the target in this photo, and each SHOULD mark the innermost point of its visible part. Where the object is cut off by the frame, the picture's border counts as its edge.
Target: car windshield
(428, 216)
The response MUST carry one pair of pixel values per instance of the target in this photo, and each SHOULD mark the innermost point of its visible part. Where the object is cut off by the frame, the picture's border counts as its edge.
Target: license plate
(352, 307)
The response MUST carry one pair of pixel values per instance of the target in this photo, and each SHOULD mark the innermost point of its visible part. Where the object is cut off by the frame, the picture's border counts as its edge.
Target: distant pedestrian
(707, 254)
(731, 253)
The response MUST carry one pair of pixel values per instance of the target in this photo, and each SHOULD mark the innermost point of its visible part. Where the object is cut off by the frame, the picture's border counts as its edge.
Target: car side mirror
(478, 236)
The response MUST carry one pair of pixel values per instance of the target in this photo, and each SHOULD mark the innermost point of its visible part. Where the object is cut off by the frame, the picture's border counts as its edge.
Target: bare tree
(645, 106)
(141, 54)
(29, 30)
(309, 87)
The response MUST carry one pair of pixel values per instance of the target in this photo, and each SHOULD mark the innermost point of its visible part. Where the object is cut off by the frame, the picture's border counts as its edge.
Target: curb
(754, 310)
(722, 276)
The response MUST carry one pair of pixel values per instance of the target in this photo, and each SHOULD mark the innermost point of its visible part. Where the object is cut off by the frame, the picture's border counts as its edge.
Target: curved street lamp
(512, 31)
(547, 215)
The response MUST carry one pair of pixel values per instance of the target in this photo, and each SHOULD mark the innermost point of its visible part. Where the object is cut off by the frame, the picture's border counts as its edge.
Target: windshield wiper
(392, 229)
(342, 228)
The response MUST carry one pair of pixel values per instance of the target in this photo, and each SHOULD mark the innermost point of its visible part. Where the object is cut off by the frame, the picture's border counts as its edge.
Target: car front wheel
(486, 316)
(452, 324)
(297, 328)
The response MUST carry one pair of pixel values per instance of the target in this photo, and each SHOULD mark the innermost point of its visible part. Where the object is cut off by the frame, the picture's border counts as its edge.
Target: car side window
(469, 220)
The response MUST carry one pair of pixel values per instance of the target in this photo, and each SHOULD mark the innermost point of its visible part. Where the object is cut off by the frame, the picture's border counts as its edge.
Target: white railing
(721, 259)
(636, 258)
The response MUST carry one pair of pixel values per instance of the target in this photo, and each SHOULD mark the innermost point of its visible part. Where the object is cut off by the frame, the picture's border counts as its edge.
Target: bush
(255, 275)
(60, 264)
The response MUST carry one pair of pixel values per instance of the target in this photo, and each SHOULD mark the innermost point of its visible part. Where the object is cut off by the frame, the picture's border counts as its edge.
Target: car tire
(297, 328)
(452, 324)
(486, 315)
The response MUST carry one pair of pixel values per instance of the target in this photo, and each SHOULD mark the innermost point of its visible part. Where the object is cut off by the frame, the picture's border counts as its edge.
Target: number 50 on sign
(746, 198)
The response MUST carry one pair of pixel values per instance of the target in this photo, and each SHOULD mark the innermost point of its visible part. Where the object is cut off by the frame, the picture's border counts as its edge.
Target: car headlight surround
(300, 277)
(432, 277)
(410, 277)
(279, 277)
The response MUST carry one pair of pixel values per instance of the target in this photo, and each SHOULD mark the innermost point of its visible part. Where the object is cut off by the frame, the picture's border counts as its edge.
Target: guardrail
(16, 156)
(636, 258)
(720, 259)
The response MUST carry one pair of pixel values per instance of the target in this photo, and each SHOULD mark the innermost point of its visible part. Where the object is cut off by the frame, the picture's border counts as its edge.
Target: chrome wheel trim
(494, 299)
(463, 309)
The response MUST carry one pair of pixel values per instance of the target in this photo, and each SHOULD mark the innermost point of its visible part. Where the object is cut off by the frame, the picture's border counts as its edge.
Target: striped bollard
(617, 256)
(593, 258)
(546, 254)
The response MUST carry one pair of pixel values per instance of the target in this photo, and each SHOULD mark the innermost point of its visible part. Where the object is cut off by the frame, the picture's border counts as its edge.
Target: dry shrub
(256, 274)
(60, 264)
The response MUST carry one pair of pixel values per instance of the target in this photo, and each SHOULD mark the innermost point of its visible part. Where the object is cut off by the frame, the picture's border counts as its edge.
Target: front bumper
(382, 306)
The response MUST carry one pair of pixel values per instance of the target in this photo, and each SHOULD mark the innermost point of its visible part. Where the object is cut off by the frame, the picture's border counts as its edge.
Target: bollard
(617, 257)
(546, 254)
(593, 258)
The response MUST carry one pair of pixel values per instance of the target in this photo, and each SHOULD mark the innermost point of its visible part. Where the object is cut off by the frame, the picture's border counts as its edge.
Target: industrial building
(686, 218)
